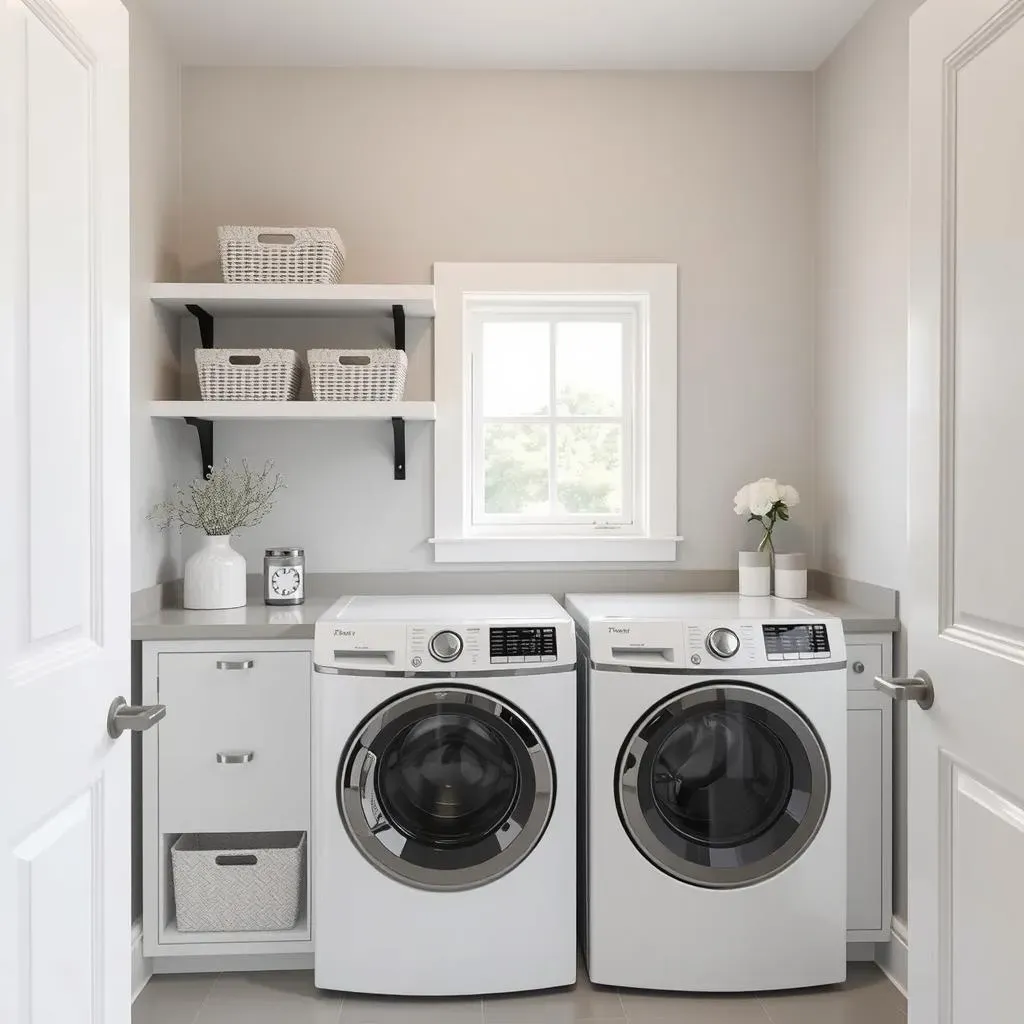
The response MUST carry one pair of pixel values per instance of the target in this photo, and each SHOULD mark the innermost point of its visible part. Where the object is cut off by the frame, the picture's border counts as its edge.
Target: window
(556, 412)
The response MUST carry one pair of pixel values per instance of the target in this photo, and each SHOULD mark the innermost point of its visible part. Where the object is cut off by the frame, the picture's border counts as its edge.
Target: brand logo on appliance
(620, 630)
(344, 632)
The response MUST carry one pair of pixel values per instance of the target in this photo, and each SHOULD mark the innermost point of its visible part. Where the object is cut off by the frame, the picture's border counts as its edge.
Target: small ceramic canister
(755, 574)
(791, 576)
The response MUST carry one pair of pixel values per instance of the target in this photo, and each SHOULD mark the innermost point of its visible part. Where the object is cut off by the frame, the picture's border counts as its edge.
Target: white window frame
(645, 297)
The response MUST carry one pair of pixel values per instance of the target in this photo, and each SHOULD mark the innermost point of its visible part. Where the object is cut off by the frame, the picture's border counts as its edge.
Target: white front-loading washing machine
(445, 795)
(713, 741)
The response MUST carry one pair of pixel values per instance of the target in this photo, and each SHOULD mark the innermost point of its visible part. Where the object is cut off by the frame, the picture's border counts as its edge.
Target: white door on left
(65, 585)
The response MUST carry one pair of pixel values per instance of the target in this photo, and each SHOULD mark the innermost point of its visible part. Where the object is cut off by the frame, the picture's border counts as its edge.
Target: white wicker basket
(242, 882)
(248, 374)
(280, 255)
(357, 375)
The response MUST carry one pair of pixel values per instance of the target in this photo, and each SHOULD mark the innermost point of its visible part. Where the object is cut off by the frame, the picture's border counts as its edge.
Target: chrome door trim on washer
(434, 673)
(401, 855)
(731, 671)
(772, 850)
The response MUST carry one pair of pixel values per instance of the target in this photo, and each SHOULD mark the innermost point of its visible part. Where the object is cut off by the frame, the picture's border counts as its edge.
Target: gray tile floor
(290, 998)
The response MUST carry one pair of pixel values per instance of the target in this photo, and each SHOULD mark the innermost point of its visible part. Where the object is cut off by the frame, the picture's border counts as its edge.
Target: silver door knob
(134, 717)
(918, 687)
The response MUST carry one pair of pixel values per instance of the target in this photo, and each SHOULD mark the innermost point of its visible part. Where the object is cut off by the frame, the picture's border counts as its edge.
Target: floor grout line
(209, 992)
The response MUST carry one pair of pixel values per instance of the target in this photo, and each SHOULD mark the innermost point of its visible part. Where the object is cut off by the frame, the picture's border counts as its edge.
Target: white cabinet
(231, 756)
(869, 864)
(234, 747)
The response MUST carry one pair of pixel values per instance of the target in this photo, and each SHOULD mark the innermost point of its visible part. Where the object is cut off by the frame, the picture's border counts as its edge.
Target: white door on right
(964, 606)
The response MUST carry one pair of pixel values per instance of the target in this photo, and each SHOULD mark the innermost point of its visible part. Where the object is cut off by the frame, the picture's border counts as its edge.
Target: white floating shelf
(214, 411)
(297, 299)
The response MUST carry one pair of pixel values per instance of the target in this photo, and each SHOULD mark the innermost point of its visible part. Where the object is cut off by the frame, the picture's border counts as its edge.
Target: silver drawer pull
(858, 667)
(235, 757)
(234, 666)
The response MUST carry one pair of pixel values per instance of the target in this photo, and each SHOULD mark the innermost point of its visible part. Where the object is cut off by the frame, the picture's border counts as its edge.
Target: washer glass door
(723, 786)
(446, 788)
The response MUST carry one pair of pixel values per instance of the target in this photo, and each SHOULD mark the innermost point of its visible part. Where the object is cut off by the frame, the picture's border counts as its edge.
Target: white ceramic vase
(755, 574)
(791, 576)
(215, 575)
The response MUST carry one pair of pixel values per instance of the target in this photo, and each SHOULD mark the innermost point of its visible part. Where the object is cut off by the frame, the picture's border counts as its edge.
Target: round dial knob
(446, 645)
(722, 642)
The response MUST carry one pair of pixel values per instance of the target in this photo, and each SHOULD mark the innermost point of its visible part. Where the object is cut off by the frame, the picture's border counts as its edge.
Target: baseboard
(891, 956)
(860, 952)
(142, 969)
(233, 962)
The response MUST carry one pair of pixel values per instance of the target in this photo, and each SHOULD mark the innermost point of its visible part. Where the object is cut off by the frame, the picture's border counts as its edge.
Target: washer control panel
(516, 645)
(717, 646)
(804, 641)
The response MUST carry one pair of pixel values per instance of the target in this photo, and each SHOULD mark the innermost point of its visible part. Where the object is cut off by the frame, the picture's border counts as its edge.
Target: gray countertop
(257, 621)
(855, 618)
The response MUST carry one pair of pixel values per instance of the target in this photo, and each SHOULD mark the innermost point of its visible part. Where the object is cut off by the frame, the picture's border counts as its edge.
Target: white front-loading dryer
(714, 745)
(445, 795)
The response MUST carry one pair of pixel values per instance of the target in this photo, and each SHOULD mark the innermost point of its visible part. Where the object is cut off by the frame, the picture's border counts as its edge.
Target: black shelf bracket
(205, 323)
(204, 428)
(398, 313)
(398, 426)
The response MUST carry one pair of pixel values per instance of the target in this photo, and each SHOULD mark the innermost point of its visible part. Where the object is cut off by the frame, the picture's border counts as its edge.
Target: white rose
(763, 494)
(789, 495)
(741, 503)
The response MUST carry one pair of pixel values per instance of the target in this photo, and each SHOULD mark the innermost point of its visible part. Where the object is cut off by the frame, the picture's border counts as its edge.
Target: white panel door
(965, 603)
(64, 596)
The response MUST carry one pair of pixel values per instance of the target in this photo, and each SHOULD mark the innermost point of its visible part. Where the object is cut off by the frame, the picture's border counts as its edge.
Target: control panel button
(722, 642)
(445, 645)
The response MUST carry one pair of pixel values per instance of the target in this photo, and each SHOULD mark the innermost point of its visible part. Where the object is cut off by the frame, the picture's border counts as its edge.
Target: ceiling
(740, 35)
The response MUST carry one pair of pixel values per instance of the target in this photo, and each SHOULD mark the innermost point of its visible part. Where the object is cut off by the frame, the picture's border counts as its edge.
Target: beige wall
(861, 103)
(710, 171)
(155, 118)
(156, 453)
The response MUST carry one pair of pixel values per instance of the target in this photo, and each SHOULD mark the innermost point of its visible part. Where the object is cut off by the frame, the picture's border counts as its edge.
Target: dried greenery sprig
(227, 501)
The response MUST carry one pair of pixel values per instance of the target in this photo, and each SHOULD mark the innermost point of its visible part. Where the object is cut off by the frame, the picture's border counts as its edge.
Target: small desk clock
(284, 576)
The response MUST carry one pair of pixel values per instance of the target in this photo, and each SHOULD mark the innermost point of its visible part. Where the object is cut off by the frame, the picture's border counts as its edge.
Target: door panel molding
(954, 624)
(55, 20)
(969, 801)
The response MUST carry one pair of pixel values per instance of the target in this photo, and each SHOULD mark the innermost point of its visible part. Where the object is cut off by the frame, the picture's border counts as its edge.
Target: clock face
(286, 581)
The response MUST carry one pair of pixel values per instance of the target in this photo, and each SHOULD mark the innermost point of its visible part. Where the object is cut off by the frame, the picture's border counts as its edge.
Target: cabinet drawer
(234, 748)
(863, 663)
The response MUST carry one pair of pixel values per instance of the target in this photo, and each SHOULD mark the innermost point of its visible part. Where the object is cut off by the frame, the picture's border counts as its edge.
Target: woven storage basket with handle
(357, 375)
(281, 255)
(240, 882)
(248, 374)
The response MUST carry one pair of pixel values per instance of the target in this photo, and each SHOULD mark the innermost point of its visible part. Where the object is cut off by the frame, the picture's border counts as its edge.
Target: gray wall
(157, 457)
(860, 374)
(155, 125)
(714, 172)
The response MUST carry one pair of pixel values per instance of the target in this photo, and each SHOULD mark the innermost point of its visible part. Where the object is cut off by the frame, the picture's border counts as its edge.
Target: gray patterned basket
(357, 374)
(248, 374)
(239, 882)
(257, 255)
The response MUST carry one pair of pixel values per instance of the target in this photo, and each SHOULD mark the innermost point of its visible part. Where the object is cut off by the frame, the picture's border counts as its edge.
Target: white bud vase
(215, 575)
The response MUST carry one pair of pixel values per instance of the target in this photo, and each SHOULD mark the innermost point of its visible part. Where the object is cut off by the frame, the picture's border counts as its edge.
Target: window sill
(555, 549)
